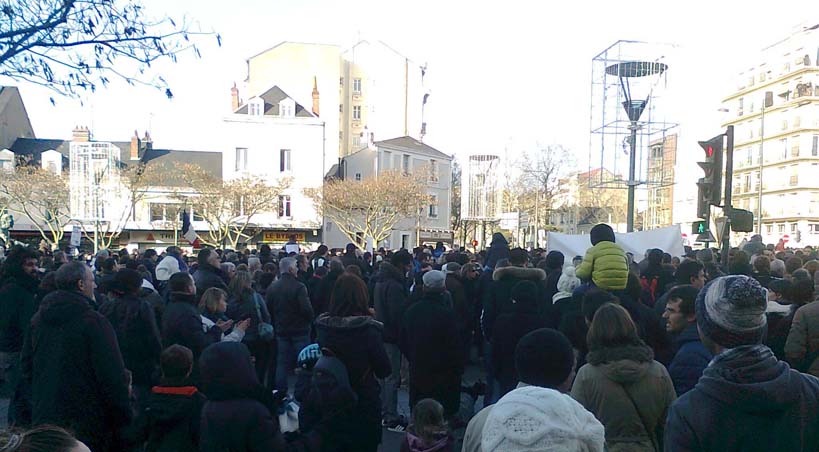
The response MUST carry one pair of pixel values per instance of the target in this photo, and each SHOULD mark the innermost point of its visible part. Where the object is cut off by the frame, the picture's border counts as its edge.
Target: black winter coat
(509, 329)
(498, 297)
(72, 362)
(208, 276)
(390, 299)
(182, 324)
(174, 415)
(552, 277)
(137, 334)
(429, 340)
(649, 327)
(289, 307)
(17, 306)
(237, 416)
(358, 343)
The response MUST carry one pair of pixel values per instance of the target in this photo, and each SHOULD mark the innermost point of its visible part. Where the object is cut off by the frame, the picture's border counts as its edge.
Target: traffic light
(710, 186)
(699, 227)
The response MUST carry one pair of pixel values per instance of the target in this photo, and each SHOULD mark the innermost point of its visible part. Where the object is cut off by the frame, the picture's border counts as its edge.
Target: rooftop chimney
(147, 142)
(234, 98)
(135, 146)
(315, 97)
(81, 134)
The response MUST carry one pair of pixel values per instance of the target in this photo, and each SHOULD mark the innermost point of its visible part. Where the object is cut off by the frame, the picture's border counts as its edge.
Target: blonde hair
(211, 298)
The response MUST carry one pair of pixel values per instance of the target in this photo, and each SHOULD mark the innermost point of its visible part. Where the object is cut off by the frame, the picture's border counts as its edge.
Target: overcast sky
(512, 73)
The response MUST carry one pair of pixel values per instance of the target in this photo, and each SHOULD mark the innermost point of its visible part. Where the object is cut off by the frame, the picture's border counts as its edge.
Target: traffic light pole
(727, 207)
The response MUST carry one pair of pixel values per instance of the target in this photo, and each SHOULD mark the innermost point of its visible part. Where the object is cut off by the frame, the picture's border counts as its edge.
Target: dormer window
(286, 111)
(255, 107)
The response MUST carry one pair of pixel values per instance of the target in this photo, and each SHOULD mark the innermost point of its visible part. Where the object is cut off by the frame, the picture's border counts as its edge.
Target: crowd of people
(269, 350)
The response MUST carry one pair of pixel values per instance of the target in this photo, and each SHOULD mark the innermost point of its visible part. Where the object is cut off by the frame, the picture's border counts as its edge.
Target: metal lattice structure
(93, 179)
(629, 79)
(480, 193)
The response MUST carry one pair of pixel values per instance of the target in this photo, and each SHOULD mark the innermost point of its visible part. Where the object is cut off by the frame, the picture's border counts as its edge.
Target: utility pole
(727, 207)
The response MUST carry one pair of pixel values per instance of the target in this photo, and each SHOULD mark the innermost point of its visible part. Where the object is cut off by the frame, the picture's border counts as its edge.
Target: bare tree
(42, 197)
(71, 46)
(372, 207)
(228, 207)
(540, 177)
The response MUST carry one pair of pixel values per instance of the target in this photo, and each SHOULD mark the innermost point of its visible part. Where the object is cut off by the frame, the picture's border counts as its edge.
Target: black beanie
(554, 260)
(601, 233)
(544, 358)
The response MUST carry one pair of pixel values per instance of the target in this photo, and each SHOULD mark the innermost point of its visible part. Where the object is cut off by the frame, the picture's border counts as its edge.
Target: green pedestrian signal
(699, 227)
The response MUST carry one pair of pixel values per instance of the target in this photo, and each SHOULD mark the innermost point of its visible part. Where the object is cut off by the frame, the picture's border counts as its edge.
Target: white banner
(76, 236)
(667, 239)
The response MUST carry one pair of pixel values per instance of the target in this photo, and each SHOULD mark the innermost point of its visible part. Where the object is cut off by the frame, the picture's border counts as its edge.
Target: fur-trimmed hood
(624, 364)
(533, 274)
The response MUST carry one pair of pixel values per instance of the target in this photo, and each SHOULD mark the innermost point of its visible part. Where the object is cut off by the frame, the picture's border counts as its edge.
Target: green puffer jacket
(606, 265)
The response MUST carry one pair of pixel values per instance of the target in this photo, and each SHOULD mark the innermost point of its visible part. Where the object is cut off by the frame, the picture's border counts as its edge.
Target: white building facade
(274, 138)
(775, 114)
(405, 154)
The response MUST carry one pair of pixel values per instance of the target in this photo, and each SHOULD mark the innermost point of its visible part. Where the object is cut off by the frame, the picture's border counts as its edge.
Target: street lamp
(637, 81)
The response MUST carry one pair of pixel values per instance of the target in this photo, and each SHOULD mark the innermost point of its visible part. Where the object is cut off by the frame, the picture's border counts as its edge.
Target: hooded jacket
(390, 299)
(137, 334)
(174, 414)
(749, 401)
(357, 342)
(167, 267)
(690, 360)
(443, 443)
(803, 338)
(606, 265)
(17, 306)
(234, 418)
(73, 365)
(498, 295)
(603, 387)
(509, 329)
(430, 341)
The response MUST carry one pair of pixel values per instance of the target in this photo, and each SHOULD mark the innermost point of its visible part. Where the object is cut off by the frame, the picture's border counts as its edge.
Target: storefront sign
(282, 237)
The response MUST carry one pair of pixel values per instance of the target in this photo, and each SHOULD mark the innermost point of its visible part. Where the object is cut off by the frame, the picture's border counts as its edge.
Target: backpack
(330, 391)
(648, 295)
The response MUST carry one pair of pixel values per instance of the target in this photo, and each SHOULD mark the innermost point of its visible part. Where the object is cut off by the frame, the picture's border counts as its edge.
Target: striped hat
(731, 311)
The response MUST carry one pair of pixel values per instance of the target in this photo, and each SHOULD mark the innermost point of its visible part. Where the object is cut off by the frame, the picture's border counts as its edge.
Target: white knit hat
(541, 419)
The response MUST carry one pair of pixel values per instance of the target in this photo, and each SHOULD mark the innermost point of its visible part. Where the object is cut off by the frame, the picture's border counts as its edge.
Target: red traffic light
(709, 151)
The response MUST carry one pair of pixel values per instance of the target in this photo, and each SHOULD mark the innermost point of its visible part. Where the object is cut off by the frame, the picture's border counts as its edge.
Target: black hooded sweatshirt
(17, 306)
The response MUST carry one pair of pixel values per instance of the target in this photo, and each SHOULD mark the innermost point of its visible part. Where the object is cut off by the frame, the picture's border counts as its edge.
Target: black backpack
(330, 392)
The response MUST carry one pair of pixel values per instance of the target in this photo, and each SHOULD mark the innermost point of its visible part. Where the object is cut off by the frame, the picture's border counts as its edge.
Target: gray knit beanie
(731, 311)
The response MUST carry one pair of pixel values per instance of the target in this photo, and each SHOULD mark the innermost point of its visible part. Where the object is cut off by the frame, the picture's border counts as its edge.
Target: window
(241, 159)
(813, 228)
(747, 184)
(285, 111)
(254, 108)
(405, 164)
(356, 141)
(357, 85)
(433, 206)
(433, 171)
(284, 206)
(284, 160)
(157, 212)
(781, 228)
(196, 214)
(769, 229)
(6, 164)
(794, 175)
(387, 160)
(356, 112)
(341, 108)
(783, 143)
(784, 124)
(793, 227)
(740, 108)
(814, 148)
(358, 176)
